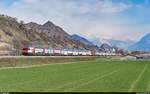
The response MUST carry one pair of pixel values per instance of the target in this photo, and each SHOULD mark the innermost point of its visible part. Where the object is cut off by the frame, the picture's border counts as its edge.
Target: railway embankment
(21, 62)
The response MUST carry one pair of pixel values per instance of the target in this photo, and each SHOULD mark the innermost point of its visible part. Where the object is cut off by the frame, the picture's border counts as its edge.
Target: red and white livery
(45, 51)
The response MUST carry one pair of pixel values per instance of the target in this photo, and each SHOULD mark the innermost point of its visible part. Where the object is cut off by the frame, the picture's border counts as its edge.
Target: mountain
(77, 37)
(118, 43)
(143, 44)
(105, 46)
(96, 42)
(15, 35)
(57, 37)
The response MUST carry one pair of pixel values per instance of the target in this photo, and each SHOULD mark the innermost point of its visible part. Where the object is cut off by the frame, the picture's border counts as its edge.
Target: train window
(26, 48)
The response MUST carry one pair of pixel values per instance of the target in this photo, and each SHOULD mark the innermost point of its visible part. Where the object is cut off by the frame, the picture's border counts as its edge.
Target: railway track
(41, 56)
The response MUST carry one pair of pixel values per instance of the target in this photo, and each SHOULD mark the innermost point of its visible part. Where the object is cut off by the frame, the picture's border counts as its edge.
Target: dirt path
(137, 80)
(41, 65)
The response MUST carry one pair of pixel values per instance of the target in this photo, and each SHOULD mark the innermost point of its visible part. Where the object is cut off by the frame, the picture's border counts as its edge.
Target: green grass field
(100, 76)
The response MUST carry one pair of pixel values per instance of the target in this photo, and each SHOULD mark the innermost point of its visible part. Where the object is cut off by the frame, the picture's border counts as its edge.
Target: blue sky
(93, 19)
(8, 2)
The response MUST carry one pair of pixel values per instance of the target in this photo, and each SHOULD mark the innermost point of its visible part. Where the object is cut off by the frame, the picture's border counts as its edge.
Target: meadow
(96, 76)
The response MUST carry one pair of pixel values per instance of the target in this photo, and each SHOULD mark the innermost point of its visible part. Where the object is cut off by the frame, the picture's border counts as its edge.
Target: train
(46, 51)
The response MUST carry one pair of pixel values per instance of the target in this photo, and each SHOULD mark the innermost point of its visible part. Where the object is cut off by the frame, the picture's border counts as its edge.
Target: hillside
(14, 35)
(143, 44)
(77, 37)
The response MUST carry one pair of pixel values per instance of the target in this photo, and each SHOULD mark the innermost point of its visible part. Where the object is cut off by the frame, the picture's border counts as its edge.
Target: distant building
(128, 57)
(143, 56)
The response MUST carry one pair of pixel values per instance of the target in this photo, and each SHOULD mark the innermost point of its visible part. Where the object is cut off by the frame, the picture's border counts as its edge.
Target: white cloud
(30, 1)
(89, 18)
(139, 6)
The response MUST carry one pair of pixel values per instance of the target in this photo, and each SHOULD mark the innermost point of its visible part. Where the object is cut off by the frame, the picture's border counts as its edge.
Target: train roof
(79, 50)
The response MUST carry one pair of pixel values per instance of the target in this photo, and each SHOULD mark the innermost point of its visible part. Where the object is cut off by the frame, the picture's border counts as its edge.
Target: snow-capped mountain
(100, 41)
(143, 44)
(118, 43)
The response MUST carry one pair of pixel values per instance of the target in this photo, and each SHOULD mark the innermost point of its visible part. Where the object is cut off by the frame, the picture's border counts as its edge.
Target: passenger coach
(44, 51)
